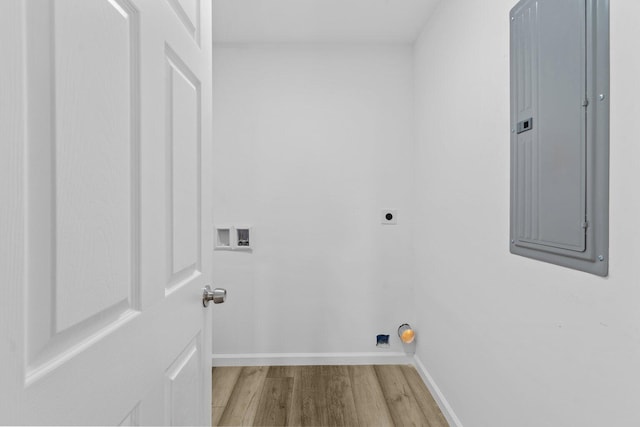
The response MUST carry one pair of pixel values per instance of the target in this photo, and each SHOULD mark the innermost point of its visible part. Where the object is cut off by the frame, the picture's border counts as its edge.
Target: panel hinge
(585, 224)
(585, 103)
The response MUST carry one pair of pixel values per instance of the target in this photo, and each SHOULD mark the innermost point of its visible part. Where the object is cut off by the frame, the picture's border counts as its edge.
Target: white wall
(311, 141)
(511, 341)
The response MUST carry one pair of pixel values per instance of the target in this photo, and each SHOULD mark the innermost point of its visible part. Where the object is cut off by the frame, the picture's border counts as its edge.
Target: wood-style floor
(388, 395)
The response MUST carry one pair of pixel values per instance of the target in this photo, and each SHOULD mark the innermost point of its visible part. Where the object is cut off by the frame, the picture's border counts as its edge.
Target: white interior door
(105, 211)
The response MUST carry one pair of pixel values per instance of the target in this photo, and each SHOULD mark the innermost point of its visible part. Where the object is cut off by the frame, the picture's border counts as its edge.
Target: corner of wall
(435, 391)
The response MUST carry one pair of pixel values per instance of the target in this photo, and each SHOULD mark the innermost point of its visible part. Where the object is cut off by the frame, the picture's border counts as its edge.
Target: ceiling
(319, 21)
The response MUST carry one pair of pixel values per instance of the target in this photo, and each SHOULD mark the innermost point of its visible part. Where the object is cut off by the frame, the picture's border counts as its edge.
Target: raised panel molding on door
(133, 418)
(183, 121)
(85, 162)
(188, 12)
(182, 381)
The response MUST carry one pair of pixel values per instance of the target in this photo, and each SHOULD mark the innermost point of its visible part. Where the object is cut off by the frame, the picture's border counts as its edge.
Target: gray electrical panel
(560, 132)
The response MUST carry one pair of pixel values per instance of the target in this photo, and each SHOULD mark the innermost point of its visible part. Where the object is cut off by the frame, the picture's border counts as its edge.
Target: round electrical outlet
(389, 216)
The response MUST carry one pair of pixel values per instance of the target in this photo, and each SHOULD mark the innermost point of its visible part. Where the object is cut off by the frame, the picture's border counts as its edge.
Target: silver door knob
(218, 295)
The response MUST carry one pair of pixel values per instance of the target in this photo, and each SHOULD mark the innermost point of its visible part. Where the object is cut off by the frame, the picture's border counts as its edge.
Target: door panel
(548, 91)
(183, 137)
(83, 175)
(110, 212)
(95, 167)
(184, 380)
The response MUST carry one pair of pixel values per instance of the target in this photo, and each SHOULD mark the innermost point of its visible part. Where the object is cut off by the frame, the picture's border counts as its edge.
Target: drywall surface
(511, 341)
(311, 141)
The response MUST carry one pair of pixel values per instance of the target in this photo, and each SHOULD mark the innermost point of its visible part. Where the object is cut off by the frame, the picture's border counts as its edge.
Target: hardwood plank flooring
(341, 408)
(309, 400)
(381, 395)
(242, 405)
(428, 404)
(223, 383)
(275, 402)
(371, 405)
(399, 396)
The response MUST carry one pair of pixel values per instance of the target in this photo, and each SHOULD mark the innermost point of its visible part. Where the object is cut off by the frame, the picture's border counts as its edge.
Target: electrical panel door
(552, 86)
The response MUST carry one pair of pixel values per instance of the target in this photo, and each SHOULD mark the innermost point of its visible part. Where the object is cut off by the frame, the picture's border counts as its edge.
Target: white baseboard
(300, 359)
(442, 402)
